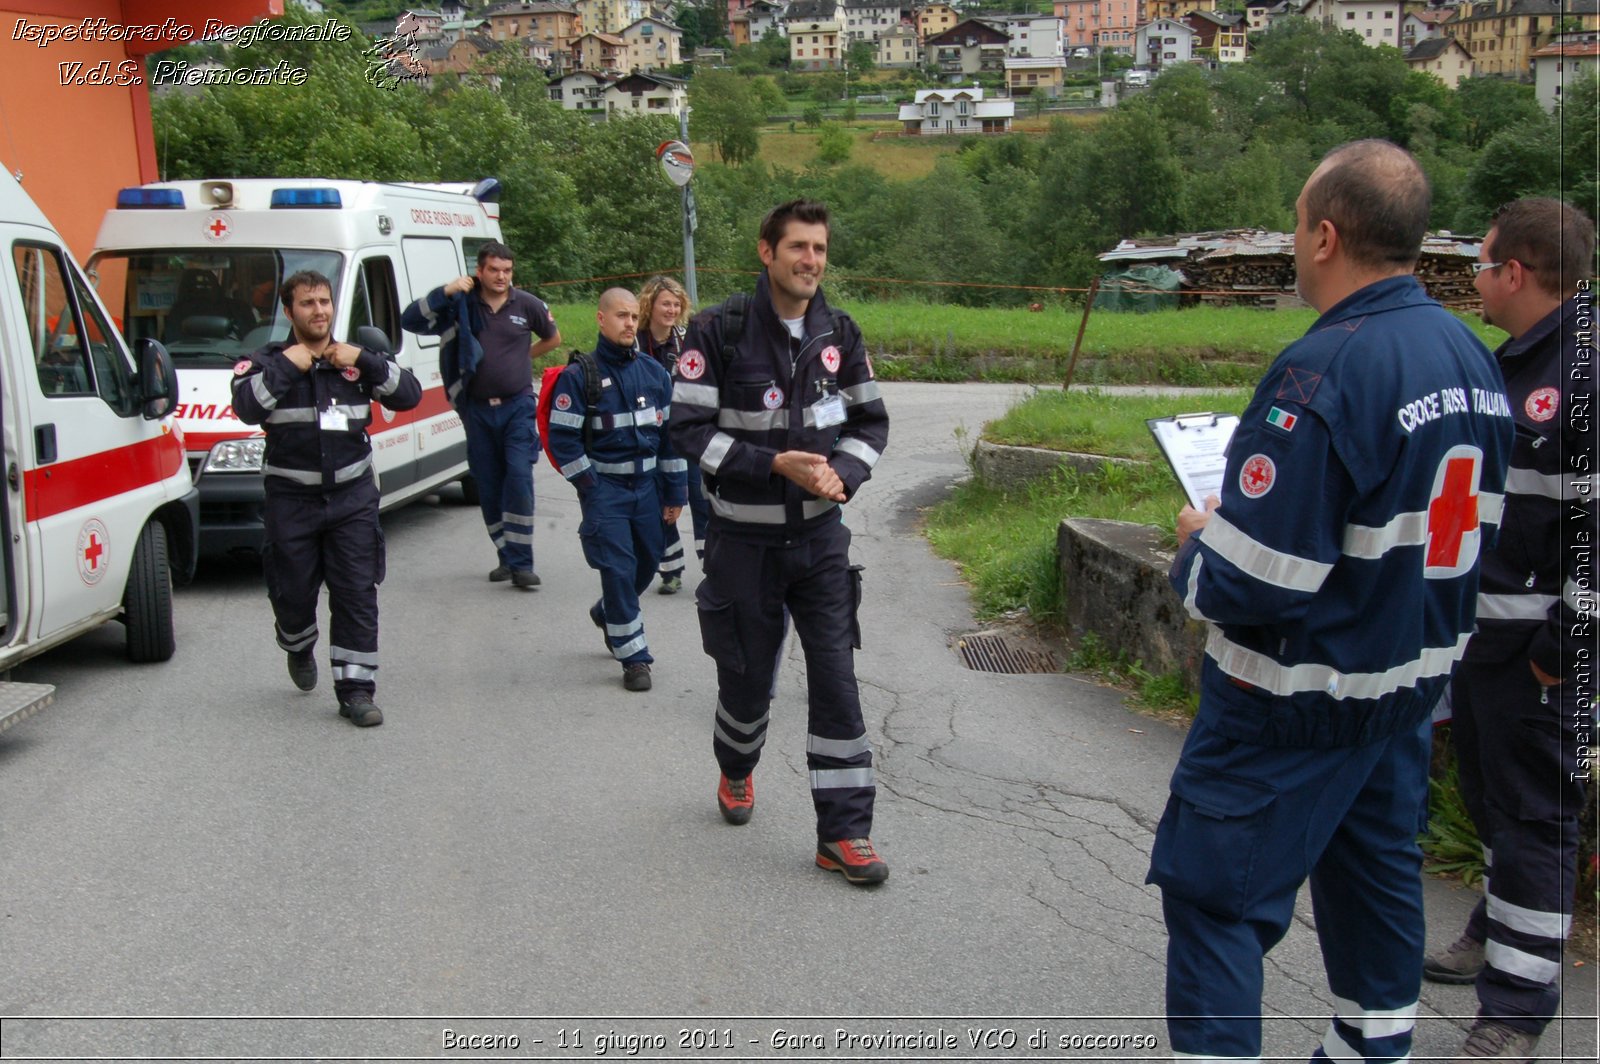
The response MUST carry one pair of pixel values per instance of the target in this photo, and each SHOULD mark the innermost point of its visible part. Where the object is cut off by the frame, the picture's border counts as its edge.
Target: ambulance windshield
(208, 306)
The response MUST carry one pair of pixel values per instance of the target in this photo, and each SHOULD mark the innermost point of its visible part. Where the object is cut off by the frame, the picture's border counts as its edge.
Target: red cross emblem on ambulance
(830, 358)
(691, 365)
(1543, 404)
(93, 557)
(218, 227)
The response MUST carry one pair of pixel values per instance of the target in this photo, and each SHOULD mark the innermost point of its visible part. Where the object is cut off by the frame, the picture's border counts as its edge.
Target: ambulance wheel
(147, 602)
(469, 490)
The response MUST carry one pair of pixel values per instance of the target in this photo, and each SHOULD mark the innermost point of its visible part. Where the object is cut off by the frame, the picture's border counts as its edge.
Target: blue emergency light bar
(130, 199)
(306, 197)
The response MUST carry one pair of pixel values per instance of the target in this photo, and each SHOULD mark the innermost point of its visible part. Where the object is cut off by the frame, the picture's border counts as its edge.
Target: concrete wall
(1011, 467)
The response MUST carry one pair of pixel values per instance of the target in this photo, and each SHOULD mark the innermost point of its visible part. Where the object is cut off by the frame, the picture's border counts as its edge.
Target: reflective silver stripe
(390, 383)
(728, 740)
(749, 513)
(449, 334)
(573, 468)
(1261, 561)
(643, 465)
(675, 465)
(302, 635)
(1529, 921)
(727, 718)
(827, 779)
(498, 538)
(816, 507)
(1579, 600)
(1261, 671)
(1549, 485)
(623, 631)
(454, 390)
(634, 418)
(291, 414)
(494, 529)
(352, 657)
(715, 452)
(354, 672)
(861, 393)
(298, 641)
(696, 395)
(1337, 1049)
(299, 476)
(858, 449)
(258, 387)
(630, 648)
(353, 470)
(1515, 607)
(753, 420)
(1515, 961)
(566, 419)
(516, 519)
(674, 551)
(525, 538)
(1375, 1023)
(353, 411)
(426, 311)
(1409, 529)
(841, 748)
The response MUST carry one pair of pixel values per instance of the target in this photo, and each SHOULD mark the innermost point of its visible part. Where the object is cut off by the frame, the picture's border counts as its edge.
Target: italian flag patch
(1281, 419)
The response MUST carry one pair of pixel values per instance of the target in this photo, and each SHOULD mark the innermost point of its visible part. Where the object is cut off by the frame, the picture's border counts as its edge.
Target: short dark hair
(807, 212)
(1554, 239)
(1377, 198)
(303, 279)
(494, 250)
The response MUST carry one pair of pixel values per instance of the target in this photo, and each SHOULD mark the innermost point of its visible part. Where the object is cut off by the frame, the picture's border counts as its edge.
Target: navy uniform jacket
(735, 423)
(1339, 576)
(627, 426)
(317, 421)
(1531, 602)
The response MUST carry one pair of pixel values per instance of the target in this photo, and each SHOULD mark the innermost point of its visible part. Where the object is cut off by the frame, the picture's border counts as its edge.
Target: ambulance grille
(991, 652)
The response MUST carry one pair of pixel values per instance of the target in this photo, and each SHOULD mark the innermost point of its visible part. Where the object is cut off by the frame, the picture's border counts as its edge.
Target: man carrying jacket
(1525, 691)
(1337, 576)
(786, 421)
(314, 395)
(617, 454)
(486, 360)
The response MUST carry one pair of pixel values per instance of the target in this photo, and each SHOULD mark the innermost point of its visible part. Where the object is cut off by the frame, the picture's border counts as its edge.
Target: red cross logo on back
(1452, 532)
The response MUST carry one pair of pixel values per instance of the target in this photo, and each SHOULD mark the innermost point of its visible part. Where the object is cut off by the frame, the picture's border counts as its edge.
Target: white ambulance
(197, 265)
(99, 512)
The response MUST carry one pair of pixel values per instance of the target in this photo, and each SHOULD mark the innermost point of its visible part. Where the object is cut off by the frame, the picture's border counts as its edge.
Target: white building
(956, 110)
(653, 44)
(581, 90)
(1374, 21)
(900, 48)
(1562, 62)
(1162, 43)
(868, 20)
(1032, 36)
(646, 94)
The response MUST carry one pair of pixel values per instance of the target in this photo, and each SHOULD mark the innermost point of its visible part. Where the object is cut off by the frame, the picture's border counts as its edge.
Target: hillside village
(631, 56)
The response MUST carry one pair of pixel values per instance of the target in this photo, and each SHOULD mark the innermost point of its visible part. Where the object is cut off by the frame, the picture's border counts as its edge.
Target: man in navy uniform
(1338, 577)
(314, 395)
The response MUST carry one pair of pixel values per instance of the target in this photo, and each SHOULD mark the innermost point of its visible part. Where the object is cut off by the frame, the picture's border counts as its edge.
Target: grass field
(1092, 422)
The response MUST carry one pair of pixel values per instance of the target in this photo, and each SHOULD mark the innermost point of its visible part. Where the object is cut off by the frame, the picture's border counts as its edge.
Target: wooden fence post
(1088, 305)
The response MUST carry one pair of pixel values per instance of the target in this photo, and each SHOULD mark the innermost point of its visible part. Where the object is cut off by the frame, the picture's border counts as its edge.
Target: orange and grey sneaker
(736, 799)
(855, 859)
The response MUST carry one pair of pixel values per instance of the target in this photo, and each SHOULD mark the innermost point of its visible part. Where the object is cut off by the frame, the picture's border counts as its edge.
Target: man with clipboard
(1337, 574)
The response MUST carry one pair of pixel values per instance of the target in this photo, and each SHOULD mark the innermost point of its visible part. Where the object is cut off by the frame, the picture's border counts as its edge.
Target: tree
(723, 111)
(834, 144)
(1514, 164)
(1579, 119)
(1489, 105)
(862, 56)
(828, 86)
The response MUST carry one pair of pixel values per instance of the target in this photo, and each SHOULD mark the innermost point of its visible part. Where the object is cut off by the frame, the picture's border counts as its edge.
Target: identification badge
(333, 421)
(828, 411)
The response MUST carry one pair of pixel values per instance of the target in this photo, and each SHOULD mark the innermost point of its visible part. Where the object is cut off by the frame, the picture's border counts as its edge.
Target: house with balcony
(1028, 75)
(899, 49)
(553, 20)
(602, 52)
(814, 28)
(581, 90)
(1568, 58)
(1422, 25)
(611, 16)
(1176, 10)
(646, 94)
(1108, 24)
(653, 44)
(968, 48)
(867, 20)
(754, 22)
(1162, 43)
(1259, 15)
(1443, 57)
(1502, 35)
(939, 112)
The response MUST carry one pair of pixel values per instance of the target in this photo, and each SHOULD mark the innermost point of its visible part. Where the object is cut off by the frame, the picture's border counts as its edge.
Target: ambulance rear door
(92, 468)
(441, 442)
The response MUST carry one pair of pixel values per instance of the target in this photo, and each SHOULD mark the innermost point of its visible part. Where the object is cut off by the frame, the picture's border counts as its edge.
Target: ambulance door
(91, 465)
(13, 561)
(375, 300)
(441, 441)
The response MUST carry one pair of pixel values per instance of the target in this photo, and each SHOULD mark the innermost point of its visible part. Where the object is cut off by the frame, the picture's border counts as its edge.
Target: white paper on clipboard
(1196, 446)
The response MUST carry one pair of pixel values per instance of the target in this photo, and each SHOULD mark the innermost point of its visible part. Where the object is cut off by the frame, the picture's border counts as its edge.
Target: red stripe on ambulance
(62, 486)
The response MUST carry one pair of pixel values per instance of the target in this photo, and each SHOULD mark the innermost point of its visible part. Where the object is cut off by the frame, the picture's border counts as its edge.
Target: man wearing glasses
(1521, 697)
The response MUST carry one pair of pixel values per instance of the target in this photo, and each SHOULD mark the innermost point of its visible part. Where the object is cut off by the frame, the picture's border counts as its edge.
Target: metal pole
(689, 220)
(1088, 305)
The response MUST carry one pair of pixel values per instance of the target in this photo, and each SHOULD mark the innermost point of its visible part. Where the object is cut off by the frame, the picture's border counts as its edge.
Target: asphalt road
(524, 850)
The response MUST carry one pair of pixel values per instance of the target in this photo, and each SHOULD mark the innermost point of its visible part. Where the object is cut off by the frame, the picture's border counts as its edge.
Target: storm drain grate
(987, 652)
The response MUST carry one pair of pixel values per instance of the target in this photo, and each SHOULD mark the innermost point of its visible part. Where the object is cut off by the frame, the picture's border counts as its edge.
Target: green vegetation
(1092, 422)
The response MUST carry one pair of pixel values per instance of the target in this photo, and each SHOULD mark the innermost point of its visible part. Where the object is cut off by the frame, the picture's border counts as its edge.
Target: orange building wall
(76, 145)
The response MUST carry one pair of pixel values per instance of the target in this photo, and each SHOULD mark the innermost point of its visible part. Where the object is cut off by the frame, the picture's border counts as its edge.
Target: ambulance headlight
(236, 456)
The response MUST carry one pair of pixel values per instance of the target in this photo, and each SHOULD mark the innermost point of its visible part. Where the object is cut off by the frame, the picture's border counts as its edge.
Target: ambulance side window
(112, 373)
(377, 299)
(60, 357)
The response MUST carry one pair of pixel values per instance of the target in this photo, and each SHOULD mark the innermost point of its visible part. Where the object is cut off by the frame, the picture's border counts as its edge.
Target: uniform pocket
(1210, 839)
(719, 635)
(381, 545)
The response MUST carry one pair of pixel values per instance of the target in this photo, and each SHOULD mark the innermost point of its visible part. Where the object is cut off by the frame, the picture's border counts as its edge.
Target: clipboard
(1196, 447)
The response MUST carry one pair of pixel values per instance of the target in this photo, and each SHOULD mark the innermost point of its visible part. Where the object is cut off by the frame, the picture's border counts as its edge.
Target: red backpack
(547, 393)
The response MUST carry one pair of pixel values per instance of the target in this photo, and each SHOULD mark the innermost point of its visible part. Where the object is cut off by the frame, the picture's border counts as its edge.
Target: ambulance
(197, 265)
(100, 514)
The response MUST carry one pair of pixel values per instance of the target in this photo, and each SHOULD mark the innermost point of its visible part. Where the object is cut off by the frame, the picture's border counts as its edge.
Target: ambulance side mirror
(158, 379)
(374, 339)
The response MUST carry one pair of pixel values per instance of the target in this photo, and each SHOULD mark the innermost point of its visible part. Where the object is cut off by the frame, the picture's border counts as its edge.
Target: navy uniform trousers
(1245, 826)
(672, 557)
(749, 583)
(334, 538)
(1517, 750)
(621, 536)
(502, 447)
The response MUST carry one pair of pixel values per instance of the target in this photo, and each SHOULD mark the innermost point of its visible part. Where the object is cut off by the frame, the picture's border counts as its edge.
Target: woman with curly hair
(663, 308)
